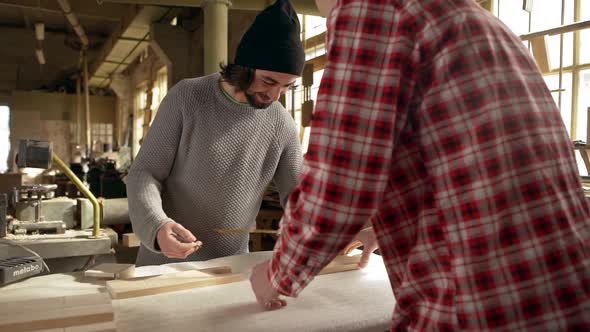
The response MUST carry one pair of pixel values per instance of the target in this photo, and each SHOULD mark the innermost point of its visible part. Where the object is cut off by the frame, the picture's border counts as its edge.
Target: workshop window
(4, 137)
(139, 104)
(565, 103)
(566, 72)
(585, 34)
(583, 102)
(511, 13)
(159, 90)
(102, 137)
(313, 34)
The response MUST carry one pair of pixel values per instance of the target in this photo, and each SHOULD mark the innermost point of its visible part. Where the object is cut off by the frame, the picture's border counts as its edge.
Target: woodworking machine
(36, 209)
(55, 227)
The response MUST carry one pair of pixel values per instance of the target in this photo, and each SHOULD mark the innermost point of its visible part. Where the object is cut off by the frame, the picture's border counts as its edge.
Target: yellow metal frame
(87, 193)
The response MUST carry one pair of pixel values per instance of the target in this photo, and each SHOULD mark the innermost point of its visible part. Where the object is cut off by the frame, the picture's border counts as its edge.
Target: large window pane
(313, 29)
(585, 10)
(583, 104)
(585, 46)
(4, 137)
(566, 96)
(585, 34)
(568, 50)
(583, 110)
(546, 14)
(314, 25)
(510, 12)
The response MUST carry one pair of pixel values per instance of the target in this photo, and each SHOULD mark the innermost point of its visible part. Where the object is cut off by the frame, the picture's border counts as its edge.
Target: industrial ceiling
(117, 33)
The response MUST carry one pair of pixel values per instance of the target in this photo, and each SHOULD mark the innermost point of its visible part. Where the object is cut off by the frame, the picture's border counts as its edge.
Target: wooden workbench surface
(359, 300)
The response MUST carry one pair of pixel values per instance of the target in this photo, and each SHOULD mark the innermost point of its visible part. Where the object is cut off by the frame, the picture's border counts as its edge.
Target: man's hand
(265, 294)
(367, 239)
(176, 241)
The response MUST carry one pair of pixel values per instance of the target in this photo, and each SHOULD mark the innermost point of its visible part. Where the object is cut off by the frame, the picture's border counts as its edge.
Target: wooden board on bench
(122, 289)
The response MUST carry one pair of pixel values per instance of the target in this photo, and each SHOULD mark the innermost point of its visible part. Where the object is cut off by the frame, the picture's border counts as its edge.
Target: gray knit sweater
(205, 164)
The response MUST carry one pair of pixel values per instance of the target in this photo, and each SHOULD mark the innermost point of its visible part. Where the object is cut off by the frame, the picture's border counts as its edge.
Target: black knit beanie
(272, 42)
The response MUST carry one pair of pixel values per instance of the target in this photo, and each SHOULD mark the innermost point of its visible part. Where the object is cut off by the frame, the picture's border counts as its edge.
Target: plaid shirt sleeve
(364, 90)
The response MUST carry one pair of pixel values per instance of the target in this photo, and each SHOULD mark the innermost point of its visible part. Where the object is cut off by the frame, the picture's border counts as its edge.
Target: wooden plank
(56, 313)
(584, 154)
(342, 263)
(122, 289)
(130, 240)
(319, 62)
(111, 271)
(576, 26)
(541, 53)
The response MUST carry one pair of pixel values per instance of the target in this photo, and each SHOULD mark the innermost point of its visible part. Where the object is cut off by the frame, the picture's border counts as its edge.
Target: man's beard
(254, 103)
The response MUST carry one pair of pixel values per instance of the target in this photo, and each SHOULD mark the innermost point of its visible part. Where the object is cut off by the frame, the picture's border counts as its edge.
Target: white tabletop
(359, 300)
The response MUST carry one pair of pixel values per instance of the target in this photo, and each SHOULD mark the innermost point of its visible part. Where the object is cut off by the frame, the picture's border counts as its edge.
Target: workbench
(360, 300)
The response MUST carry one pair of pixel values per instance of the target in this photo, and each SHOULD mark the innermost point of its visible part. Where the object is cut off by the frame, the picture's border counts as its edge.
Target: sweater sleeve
(290, 163)
(152, 166)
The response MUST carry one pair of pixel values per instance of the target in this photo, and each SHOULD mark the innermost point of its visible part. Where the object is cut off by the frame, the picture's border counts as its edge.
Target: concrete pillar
(215, 34)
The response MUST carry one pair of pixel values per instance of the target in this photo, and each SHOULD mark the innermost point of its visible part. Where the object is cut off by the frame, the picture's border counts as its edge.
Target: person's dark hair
(238, 76)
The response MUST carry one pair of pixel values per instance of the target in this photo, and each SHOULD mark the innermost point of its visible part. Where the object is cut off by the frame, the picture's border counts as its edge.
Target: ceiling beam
(127, 18)
(107, 12)
(94, 37)
(137, 18)
(306, 7)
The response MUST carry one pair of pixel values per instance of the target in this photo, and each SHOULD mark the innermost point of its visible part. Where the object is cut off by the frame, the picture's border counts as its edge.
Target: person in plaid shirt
(434, 124)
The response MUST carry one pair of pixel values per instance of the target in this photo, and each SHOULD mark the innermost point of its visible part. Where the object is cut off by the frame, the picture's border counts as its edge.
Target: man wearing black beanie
(215, 145)
(271, 47)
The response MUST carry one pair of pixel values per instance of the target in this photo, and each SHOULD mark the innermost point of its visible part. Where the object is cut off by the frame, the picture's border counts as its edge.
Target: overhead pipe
(87, 100)
(79, 110)
(79, 30)
(40, 36)
(74, 22)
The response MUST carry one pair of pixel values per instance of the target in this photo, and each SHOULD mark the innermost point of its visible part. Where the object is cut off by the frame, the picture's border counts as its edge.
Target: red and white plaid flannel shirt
(434, 123)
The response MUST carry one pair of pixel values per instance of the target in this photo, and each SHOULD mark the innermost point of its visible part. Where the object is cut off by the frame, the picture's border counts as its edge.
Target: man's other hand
(367, 239)
(266, 295)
